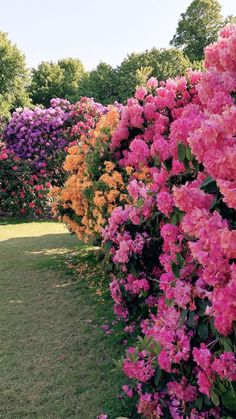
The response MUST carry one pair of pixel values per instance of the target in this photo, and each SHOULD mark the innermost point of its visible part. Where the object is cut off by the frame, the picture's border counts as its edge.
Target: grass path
(55, 359)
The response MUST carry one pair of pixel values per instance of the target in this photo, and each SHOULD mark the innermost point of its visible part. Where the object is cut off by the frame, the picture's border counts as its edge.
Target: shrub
(173, 247)
(41, 136)
(22, 191)
(167, 160)
(94, 186)
(36, 142)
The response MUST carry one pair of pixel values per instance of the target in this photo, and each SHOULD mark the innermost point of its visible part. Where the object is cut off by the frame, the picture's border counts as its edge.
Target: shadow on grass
(40, 252)
(57, 320)
(44, 240)
(12, 220)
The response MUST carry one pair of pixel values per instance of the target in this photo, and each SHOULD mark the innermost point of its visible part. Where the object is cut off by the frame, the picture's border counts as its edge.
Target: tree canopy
(61, 79)
(136, 68)
(101, 84)
(198, 27)
(14, 77)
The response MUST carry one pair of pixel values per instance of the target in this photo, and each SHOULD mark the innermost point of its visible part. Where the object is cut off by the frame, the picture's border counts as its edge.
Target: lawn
(56, 360)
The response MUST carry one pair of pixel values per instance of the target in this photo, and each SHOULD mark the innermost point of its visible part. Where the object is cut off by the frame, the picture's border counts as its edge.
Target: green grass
(56, 361)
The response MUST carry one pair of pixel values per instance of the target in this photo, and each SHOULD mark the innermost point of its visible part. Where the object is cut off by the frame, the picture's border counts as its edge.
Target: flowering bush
(22, 191)
(83, 117)
(36, 143)
(94, 186)
(37, 134)
(157, 178)
(173, 245)
(42, 136)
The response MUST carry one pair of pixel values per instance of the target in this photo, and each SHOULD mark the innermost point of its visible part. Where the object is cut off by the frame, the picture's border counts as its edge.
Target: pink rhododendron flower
(165, 203)
(128, 391)
(182, 391)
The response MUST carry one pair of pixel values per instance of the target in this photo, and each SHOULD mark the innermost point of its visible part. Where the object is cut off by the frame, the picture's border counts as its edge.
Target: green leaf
(214, 202)
(215, 398)
(203, 305)
(206, 182)
(202, 330)
(108, 245)
(189, 154)
(221, 387)
(157, 161)
(199, 403)
(175, 269)
(157, 376)
(233, 95)
(186, 164)
(181, 152)
(209, 185)
(180, 260)
(156, 347)
(180, 214)
(168, 163)
(212, 326)
(133, 357)
(168, 302)
(174, 219)
(195, 164)
(229, 398)
(217, 390)
(191, 318)
(183, 316)
(227, 344)
(133, 269)
(207, 401)
(187, 369)
(140, 202)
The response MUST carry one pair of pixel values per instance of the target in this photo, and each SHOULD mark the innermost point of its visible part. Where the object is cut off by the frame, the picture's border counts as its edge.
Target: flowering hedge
(170, 233)
(22, 191)
(36, 141)
(42, 136)
(174, 247)
(94, 186)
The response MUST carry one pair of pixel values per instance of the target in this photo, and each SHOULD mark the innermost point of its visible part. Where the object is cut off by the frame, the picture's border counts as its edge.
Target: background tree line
(67, 78)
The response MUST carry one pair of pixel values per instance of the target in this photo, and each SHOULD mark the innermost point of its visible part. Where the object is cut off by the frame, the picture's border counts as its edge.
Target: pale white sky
(92, 30)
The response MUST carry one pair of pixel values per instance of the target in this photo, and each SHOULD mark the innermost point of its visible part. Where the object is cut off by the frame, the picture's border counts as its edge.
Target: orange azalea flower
(82, 194)
(109, 166)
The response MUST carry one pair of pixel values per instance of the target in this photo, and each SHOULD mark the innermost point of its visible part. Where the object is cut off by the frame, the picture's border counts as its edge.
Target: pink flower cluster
(38, 140)
(210, 367)
(37, 134)
(173, 245)
(83, 117)
(22, 191)
(42, 136)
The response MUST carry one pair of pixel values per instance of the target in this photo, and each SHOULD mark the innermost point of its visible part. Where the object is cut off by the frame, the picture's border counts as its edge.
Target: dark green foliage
(62, 79)
(137, 68)
(14, 77)
(199, 27)
(101, 84)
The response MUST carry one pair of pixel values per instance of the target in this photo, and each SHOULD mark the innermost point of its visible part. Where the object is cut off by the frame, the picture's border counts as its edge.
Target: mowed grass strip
(56, 361)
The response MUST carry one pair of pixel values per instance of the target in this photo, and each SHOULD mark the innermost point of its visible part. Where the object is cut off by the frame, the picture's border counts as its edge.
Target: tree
(46, 83)
(101, 84)
(61, 79)
(128, 74)
(159, 63)
(198, 27)
(14, 77)
(168, 63)
(73, 75)
(231, 20)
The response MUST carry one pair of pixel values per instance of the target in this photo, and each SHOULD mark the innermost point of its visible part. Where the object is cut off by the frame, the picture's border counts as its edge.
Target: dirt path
(53, 354)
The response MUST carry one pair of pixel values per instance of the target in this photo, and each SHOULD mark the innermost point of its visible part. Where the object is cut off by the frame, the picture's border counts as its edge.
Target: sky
(92, 30)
